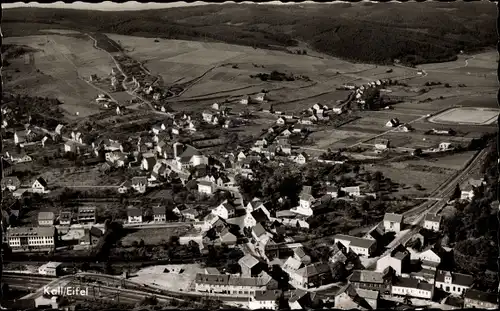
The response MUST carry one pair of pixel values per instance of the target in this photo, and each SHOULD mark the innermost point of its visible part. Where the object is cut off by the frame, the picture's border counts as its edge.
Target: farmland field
(62, 61)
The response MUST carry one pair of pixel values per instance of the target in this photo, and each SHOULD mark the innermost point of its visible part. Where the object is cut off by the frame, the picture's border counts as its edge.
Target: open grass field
(453, 162)
(467, 115)
(404, 174)
(336, 138)
(153, 236)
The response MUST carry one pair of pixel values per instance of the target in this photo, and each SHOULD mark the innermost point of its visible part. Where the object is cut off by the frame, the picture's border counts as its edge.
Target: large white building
(413, 288)
(234, 285)
(264, 300)
(453, 283)
(32, 238)
(360, 246)
(432, 222)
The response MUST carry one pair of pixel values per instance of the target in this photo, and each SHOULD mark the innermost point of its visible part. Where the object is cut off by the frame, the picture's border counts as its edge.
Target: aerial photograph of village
(249, 156)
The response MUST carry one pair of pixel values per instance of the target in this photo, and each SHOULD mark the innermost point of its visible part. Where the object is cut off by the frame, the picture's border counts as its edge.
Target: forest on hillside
(367, 32)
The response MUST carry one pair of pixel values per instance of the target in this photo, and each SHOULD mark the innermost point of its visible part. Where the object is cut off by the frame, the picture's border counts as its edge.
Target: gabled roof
(456, 278)
(248, 261)
(42, 181)
(314, 270)
(46, 215)
(392, 217)
(259, 215)
(159, 210)
(306, 197)
(367, 276)
(432, 218)
(134, 211)
(259, 230)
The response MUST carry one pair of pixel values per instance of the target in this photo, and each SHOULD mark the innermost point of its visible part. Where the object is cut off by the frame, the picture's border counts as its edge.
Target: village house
(398, 260)
(430, 259)
(87, 215)
(414, 288)
(264, 300)
(39, 186)
(301, 158)
(314, 275)
(260, 234)
(250, 266)
(227, 238)
(453, 283)
(476, 299)
(206, 187)
(32, 239)
(139, 183)
(18, 157)
(360, 246)
(432, 222)
(7, 167)
(300, 255)
(134, 215)
(305, 204)
(332, 191)
(352, 191)
(372, 280)
(46, 218)
(148, 161)
(381, 144)
(392, 123)
(350, 298)
(191, 214)
(10, 183)
(468, 192)
(224, 210)
(393, 222)
(159, 214)
(65, 218)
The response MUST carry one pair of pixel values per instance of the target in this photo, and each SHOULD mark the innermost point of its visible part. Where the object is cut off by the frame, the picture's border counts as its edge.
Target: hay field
(453, 162)
(402, 173)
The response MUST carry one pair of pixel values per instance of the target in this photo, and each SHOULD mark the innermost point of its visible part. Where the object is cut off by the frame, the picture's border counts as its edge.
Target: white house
(139, 183)
(430, 259)
(206, 187)
(31, 238)
(413, 288)
(392, 123)
(333, 191)
(393, 222)
(224, 210)
(360, 246)
(301, 158)
(432, 222)
(134, 215)
(305, 203)
(39, 186)
(264, 300)
(453, 283)
(352, 191)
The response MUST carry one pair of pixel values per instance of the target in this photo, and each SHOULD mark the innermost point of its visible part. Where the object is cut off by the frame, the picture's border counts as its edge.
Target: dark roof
(159, 210)
(96, 232)
(190, 151)
(366, 276)
(133, 211)
(432, 217)
(268, 295)
(259, 215)
(456, 278)
(481, 296)
(212, 279)
(393, 217)
(42, 181)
